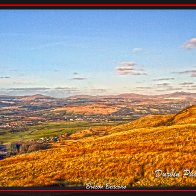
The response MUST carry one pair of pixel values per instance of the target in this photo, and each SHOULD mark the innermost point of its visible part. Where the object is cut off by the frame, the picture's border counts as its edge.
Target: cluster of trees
(18, 129)
(25, 147)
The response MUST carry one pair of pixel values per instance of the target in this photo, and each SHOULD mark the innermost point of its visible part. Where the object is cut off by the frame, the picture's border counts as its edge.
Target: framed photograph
(97, 98)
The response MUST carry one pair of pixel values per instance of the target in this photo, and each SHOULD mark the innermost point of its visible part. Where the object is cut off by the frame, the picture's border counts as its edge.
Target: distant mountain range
(179, 94)
(134, 95)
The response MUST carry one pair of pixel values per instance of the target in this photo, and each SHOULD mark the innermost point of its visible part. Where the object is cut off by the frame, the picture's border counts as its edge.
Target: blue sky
(67, 52)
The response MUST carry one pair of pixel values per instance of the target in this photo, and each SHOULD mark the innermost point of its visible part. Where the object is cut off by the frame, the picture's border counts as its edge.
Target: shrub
(38, 146)
(25, 147)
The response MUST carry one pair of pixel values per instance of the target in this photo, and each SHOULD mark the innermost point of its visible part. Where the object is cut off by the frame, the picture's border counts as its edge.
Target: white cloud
(79, 78)
(163, 84)
(137, 50)
(193, 75)
(4, 77)
(128, 68)
(186, 83)
(29, 89)
(163, 79)
(190, 44)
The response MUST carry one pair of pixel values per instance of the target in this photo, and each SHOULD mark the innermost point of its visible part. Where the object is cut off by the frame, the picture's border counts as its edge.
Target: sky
(60, 53)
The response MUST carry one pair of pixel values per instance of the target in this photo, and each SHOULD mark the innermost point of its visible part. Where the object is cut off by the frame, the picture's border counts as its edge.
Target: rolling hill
(186, 116)
(128, 156)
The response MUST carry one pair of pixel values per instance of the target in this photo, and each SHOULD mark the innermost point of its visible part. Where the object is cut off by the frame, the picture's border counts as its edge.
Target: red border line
(99, 190)
(97, 5)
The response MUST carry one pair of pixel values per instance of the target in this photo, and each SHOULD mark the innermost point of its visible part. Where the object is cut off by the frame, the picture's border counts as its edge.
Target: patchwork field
(89, 109)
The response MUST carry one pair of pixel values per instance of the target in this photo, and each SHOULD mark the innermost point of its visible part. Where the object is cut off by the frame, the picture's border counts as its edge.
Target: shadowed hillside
(129, 156)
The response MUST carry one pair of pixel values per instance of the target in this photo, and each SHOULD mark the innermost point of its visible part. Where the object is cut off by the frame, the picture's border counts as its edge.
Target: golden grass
(127, 157)
(186, 116)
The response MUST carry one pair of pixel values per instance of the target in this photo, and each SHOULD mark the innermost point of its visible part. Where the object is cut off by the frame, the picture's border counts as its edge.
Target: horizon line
(103, 95)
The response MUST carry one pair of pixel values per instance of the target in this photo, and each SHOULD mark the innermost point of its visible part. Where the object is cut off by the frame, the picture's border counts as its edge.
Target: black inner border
(22, 190)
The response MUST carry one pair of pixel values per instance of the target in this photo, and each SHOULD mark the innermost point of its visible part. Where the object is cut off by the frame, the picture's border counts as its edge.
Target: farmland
(49, 129)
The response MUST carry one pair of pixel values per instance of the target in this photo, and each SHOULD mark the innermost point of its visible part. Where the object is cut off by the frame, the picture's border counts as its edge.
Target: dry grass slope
(128, 156)
(186, 116)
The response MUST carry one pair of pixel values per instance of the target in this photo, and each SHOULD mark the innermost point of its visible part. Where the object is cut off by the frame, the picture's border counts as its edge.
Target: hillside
(129, 156)
(143, 122)
(186, 116)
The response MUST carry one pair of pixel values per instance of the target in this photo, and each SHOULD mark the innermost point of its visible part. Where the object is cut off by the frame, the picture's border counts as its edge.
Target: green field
(49, 129)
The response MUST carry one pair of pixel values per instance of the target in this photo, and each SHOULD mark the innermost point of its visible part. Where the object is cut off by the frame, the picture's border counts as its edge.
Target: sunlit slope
(143, 122)
(123, 158)
(186, 116)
